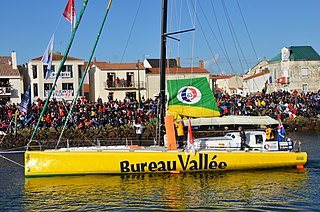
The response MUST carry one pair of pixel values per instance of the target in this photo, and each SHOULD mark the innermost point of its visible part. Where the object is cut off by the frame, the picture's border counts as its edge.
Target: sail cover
(191, 98)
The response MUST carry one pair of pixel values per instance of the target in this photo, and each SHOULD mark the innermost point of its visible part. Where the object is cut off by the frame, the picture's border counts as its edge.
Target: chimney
(201, 64)
(14, 59)
(178, 62)
(94, 60)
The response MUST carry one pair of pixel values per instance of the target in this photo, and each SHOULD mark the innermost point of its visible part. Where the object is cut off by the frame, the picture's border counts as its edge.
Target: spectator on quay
(279, 105)
(139, 130)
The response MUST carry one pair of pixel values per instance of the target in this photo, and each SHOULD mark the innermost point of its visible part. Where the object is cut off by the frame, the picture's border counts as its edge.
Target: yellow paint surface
(109, 162)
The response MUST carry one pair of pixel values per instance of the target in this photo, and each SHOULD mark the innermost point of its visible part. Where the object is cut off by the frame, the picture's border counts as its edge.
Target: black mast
(162, 94)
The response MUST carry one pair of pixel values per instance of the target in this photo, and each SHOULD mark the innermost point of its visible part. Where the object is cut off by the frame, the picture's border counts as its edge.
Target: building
(153, 77)
(173, 71)
(116, 80)
(294, 68)
(231, 84)
(11, 84)
(257, 82)
(67, 83)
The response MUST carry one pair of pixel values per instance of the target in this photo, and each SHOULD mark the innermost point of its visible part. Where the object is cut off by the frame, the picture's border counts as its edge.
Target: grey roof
(155, 63)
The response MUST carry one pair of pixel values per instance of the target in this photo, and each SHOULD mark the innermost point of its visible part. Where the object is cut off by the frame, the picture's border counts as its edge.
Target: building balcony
(124, 85)
(59, 93)
(66, 74)
(5, 91)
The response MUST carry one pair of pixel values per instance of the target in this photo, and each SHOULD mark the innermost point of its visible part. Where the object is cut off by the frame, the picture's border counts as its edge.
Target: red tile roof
(5, 68)
(58, 56)
(123, 66)
(179, 70)
(256, 75)
(222, 77)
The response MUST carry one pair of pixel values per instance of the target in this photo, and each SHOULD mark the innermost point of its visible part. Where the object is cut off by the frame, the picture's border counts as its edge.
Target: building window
(67, 89)
(80, 70)
(286, 73)
(66, 71)
(53, 73)
(67, 86)
(130, 79)
(304, 88)
(110, 96)
(111, 78)
(304, 72)
(131, 94)
(47, 87)
(34, 71)
(35, 89)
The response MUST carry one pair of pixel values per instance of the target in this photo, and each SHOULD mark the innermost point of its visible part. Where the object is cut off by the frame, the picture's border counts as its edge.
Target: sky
(231, 36)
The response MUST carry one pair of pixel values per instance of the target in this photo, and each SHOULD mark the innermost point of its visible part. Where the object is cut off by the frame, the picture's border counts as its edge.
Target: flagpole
(85, 72)
(84, 5)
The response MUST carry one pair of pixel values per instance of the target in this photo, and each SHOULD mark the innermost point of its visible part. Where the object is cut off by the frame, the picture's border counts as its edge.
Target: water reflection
(230, 190)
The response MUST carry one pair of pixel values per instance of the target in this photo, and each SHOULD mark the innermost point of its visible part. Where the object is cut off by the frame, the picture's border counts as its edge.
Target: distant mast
(162, 93)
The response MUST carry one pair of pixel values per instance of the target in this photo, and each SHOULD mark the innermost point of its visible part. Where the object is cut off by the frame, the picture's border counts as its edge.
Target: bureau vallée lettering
(203, 163)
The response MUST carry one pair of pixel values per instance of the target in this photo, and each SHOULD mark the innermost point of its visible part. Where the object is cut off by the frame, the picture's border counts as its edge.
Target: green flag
(192, 98)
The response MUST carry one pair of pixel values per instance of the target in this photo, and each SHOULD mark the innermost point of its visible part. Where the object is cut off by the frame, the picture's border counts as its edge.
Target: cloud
(210, 62)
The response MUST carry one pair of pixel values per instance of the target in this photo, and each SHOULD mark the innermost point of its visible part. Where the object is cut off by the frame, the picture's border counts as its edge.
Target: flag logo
(190, 140)
(70, 13)
(47, 57)
(281, 132)
(189, 95)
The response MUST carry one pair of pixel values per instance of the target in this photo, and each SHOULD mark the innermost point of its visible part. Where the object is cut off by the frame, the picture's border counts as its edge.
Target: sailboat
(205, 154)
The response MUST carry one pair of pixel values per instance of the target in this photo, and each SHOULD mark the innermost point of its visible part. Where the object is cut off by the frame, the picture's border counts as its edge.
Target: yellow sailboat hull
(53, 163)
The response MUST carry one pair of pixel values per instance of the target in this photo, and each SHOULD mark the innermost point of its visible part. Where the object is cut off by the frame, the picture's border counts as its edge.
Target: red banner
(282, 80)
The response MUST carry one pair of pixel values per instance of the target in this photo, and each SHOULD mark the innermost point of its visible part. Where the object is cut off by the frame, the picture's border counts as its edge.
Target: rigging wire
(245, 24)
(224, 49)
(84, 5)
(193, 37)
(223, 46)
(234, 37)
(232, 33)
(129, 36)
(206, 39)
(85, 71)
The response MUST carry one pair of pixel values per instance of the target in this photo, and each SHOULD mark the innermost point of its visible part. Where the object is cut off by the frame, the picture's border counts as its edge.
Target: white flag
(47, 57)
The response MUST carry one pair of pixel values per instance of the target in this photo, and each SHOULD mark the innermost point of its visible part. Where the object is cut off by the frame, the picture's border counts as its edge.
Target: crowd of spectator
(85, 113)
(279, 105)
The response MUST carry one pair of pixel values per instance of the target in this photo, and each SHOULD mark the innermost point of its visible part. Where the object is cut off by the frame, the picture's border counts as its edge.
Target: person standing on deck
(180, 133)
(243, 139)
(269, 134)
(139, 130)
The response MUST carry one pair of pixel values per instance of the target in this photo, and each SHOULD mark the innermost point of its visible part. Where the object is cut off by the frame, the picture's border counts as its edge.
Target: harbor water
(263, 190)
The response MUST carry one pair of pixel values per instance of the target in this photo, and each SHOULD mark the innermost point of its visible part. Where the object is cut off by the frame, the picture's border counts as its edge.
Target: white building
(231, 84)
(67, 84)
(256, 82)
(116, 81)
(153, 77)
(173, 71)
(11, 84)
